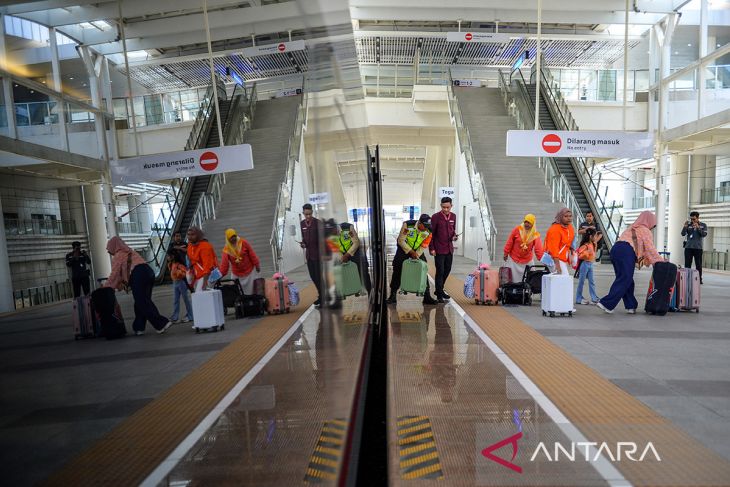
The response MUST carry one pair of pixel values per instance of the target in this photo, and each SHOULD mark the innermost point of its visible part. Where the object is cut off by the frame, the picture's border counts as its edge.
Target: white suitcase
(208, 310)
(557, 295)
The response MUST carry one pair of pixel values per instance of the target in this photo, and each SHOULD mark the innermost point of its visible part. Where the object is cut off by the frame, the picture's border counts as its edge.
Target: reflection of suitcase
(516, 293)
(557, 294)
(109, 314)
(686, 295)
(663, 279)
(486, 285)
(85, 323)
(505, 275)
(277, 294)
(208, 310)
(413, 277)
(347, 280)
(253, 305)
(232, 294)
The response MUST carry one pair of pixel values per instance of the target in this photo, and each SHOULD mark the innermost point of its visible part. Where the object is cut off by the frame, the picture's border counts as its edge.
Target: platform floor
(461, 378)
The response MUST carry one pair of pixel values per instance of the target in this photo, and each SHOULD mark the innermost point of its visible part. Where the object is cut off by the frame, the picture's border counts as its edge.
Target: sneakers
(584, 302)
(164, 328)
(138, 333)
(440, 299)
(186, 320)
(631, 311)
(595, 303)
(317, 303)
(600, 305)
(445, 296)
(392, 299)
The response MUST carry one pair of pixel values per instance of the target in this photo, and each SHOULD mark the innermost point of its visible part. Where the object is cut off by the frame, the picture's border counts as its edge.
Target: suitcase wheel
(552, 314)
(223, 327)
(570, 313)
(544, 313)
(197, 330)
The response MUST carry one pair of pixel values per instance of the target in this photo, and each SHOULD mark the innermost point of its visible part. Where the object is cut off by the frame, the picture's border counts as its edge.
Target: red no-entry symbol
(551, 143)
(282, 47)
(209, 161)
(468, 36)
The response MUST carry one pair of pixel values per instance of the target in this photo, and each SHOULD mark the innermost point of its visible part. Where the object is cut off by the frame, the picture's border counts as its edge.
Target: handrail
(565, 121)
(476, 181)
(286, 187)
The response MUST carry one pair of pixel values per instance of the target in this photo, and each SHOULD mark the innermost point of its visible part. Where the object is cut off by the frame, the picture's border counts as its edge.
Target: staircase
(200, 183)
(249, 197)
(515, 185)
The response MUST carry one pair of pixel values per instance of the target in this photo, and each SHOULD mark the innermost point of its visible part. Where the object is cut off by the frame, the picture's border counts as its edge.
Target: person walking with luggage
(347, 244)
(78, 261)
(240, 258)
(695, 231)
(201, 257)
(635, 248)
(311, 229)
(559, 240)
(443, 231)
(522, 246)
(586, 259)
(176, 263)
(130, 271)
(413, 240)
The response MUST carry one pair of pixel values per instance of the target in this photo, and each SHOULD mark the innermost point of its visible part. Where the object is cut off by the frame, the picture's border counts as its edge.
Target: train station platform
(270, 401)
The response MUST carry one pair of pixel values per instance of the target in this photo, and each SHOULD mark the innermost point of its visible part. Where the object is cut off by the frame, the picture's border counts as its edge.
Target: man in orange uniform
(202, 258)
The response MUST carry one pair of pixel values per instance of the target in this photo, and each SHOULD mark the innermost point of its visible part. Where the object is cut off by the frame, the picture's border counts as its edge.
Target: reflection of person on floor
(441, 360)
(414, 238)
(347, 244)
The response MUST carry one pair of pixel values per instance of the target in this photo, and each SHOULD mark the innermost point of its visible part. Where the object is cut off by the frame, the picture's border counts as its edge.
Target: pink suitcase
(84, 319)
(277, 294)
(486, 285)
(505, 275)
(688, 289)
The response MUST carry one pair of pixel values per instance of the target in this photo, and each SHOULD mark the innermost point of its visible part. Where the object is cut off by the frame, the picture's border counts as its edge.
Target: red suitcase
(486, 285)
(86, 325)
(277, 294)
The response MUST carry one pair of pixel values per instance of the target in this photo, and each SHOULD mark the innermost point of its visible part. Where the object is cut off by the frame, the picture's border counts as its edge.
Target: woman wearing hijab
(523, 243)
(201, 256)
(559, 240)
(239, 256)
(129, 270)
(635, 248)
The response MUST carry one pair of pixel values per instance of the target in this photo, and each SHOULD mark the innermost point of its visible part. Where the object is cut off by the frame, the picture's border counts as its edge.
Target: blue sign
(520, 60)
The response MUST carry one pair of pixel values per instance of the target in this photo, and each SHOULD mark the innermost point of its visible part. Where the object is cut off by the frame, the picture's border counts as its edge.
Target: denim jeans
(586, 271)
(181, 289)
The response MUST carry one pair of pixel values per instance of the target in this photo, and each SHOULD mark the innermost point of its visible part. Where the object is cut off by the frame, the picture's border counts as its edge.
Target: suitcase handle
(479, 255)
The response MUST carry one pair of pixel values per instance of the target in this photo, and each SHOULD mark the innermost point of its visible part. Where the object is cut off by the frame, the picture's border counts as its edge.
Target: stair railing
(565, 121)
(522, 108)
(477, 183)
(286, 187)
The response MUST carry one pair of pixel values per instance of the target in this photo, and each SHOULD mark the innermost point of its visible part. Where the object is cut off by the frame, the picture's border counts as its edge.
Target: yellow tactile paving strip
(132, 450)
(602, 410)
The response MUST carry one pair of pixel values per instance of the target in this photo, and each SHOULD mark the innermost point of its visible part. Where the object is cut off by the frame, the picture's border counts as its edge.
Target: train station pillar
(678, 205)
(6, 283)
(95, 219)
(71, 202)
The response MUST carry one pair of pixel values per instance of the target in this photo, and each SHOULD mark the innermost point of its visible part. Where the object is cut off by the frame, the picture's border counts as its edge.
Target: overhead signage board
(447, 191)
(289, 92)
(273, 48)
(475, 83)
(477, 37)
(319, 198)
(183, 164)
(545, 143)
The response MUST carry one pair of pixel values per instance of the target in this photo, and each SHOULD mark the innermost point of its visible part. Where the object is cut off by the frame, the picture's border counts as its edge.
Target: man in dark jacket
(443, 229)
(695, 231)
(311, 230)
(78, 261)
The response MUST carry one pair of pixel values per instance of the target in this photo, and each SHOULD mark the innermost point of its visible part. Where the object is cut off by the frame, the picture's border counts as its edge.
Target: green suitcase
(347, 280)
(413, 277)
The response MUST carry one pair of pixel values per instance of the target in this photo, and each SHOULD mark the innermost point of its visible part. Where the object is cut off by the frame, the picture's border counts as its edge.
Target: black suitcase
(516, 293)
(106, 307)
(533, 277)
(663, 279)
(253, 305)
(232, 294)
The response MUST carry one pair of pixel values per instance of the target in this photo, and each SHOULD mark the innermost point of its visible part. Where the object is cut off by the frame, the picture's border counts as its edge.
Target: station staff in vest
(415, 235)
(347, 243)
